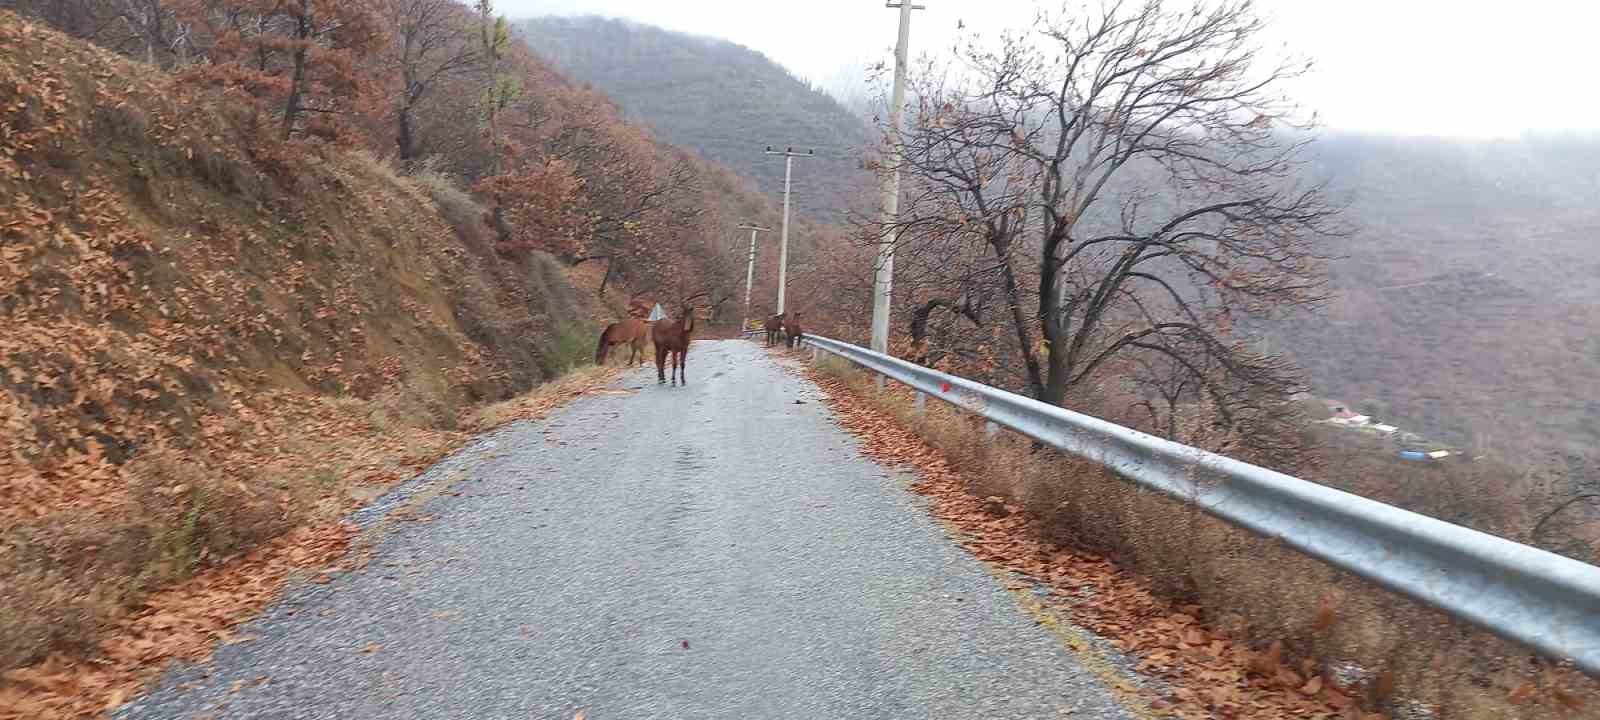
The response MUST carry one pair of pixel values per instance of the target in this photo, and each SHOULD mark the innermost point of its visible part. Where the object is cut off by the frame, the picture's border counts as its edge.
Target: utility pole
(882, 285)
(783, 244)
(750, 268)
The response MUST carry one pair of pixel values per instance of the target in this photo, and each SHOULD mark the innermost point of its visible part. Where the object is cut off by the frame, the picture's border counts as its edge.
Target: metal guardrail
(1543, 600)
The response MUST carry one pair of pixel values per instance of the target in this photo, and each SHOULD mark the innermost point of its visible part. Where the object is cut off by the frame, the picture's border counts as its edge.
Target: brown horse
(774, 328)
(672, 340)
(632, 331)
(792, 331)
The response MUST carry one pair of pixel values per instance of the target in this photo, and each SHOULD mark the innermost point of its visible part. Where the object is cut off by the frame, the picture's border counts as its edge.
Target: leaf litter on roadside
(185, 621)
(1207, 673)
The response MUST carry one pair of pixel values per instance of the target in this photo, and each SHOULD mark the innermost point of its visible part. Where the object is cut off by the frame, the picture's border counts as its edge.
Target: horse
(774, 328)
(672, 340)
(793, 332)
(632, 331)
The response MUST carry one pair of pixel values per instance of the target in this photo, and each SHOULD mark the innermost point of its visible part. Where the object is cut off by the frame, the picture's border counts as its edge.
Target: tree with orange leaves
(298, 56)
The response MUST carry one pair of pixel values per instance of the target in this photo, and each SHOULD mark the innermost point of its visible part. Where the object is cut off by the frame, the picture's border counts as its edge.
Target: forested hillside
(1465, 304)
(725, 101)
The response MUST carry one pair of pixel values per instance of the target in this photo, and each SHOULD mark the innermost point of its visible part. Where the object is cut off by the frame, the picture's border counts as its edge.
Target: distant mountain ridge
(723, 100)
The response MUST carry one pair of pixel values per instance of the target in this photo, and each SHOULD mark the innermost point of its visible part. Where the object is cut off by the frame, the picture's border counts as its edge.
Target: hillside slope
(725, 101)
(1465, 305)
(193, 319)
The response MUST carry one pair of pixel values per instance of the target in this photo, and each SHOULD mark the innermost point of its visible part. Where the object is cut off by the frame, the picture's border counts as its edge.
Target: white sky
(1428, 67)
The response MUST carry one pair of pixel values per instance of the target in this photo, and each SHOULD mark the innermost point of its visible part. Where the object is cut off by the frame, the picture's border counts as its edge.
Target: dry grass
(61, 581)
(1408, 659)
(535, 404)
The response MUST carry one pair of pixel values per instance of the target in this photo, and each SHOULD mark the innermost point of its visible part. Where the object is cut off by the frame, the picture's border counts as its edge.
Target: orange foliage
(540, 202)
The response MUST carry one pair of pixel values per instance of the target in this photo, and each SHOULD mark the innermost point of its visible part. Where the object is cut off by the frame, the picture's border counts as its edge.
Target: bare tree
(432, 41)
(154, 25)
(1128, 174)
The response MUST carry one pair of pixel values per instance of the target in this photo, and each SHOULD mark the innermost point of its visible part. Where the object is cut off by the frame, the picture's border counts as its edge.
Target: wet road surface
(709, 551)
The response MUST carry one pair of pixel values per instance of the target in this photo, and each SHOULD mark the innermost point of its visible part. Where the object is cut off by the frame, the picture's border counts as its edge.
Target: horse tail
(600, 351)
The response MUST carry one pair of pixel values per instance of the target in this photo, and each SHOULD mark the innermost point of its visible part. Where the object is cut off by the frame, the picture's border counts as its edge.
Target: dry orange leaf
(1567, 700)
(1522, 693)
(1385, 686)
(1325, 616)
(1266, 664)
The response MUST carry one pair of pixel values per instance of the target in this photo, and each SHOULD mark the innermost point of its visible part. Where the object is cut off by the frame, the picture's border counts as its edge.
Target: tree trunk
(291, 107)
(408, 98)
(1057, 360)
(611, 265)
(1030, 356)
(407, 150)
(502, 229)
(491, 50)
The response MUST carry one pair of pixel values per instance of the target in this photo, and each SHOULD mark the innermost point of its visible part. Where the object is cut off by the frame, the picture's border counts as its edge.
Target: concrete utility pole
(882, 287)
(783, 244)
(750, 268)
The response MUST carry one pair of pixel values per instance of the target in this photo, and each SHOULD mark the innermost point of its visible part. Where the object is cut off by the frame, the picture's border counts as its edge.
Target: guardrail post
(813, 353)
(880, 381)
(922, 401)
(990, 429)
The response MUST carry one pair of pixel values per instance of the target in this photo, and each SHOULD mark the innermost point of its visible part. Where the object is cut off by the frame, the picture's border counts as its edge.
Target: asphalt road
(711, 551)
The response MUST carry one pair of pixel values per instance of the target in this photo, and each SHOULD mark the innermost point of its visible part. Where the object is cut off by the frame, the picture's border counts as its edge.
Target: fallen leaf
(1266, 664)
(1385, 685)
(1325, 616)
(1568, 700)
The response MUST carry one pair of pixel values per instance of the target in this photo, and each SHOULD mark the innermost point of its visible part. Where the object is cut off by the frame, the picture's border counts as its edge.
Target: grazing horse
(632, 331)
(672, 340)
(774, 328)
(792, 331)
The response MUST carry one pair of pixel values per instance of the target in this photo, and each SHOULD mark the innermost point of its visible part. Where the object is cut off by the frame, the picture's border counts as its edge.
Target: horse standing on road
(792, 331)
(672, 342)
(774, 328)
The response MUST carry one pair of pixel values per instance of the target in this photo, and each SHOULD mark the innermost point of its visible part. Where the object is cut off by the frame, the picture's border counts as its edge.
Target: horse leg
(683, 366)
(661, 365)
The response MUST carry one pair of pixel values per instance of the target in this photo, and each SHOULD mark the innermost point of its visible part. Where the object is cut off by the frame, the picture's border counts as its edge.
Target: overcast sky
(1431, 67)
